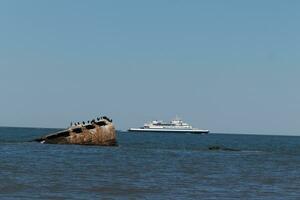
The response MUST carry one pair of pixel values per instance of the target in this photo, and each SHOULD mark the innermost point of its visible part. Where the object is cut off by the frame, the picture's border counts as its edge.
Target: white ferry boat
(176, 125)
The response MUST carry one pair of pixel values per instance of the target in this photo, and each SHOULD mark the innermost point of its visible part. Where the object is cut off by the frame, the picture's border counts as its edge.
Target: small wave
(252, 151)
(222, 148)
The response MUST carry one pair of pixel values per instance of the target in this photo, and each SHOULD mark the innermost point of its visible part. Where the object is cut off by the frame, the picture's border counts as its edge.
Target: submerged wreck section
(97, 132)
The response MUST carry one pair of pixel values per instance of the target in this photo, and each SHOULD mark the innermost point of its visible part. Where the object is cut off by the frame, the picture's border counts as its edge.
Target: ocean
(150, 166)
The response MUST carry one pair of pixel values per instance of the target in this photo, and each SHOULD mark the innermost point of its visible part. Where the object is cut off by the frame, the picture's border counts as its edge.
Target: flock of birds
(83, 123)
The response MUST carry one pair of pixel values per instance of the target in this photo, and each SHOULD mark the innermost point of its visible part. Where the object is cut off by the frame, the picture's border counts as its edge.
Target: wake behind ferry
(176, 125)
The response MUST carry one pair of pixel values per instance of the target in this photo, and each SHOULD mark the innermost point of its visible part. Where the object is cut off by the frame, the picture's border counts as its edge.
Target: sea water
(150, 166)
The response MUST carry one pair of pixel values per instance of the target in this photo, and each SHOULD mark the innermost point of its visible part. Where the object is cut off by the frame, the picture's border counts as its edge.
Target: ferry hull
(195, 131)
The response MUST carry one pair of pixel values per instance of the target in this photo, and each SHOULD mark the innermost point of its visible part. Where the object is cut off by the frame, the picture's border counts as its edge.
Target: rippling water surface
(150, 166)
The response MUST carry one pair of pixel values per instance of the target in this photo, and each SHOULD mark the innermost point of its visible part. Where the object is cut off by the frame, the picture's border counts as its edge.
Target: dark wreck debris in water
(97, 132)
(220, 148)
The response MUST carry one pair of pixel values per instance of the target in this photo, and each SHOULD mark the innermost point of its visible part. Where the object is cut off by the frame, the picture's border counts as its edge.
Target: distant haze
(226, 66)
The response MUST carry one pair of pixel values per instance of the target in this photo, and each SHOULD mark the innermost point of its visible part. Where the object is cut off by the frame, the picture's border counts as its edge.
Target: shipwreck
(95, 132)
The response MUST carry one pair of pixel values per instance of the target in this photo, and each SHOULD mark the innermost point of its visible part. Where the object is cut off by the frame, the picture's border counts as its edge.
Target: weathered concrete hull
(102, 133)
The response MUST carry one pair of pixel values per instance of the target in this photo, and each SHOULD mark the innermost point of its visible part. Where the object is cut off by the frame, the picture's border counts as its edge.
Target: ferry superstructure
(176, 125)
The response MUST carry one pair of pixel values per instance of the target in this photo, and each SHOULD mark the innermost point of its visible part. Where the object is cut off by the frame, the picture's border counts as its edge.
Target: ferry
(176, 125)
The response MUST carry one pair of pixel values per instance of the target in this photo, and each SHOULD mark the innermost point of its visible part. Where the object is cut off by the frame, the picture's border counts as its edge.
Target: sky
(227, 66)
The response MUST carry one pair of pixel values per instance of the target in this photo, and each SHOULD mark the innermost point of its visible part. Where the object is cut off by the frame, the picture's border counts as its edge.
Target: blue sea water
(150, 166)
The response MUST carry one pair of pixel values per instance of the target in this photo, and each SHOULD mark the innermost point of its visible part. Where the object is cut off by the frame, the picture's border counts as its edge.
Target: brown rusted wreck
(101, 132)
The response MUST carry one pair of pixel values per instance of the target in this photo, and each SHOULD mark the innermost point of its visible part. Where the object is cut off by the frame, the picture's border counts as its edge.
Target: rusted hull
(101, 133)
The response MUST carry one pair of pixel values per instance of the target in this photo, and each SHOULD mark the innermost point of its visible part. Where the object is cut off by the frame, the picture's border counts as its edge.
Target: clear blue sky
(228, 66)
